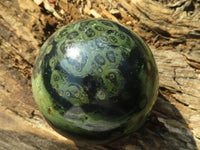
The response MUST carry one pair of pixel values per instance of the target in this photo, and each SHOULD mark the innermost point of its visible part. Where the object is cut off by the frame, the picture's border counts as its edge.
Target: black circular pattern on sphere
(95, 81)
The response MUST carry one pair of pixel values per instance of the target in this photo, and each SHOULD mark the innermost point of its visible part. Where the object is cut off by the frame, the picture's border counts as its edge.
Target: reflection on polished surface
(73, 53)
(95, 81)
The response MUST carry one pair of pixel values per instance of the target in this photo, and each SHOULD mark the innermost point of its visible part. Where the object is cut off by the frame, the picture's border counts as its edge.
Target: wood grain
(172, 31)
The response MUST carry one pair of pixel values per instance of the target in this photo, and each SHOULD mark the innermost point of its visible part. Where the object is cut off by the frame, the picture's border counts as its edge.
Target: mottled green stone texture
(95, 81)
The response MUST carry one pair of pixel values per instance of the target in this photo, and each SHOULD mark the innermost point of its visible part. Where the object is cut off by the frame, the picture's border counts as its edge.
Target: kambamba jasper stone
(95, 81)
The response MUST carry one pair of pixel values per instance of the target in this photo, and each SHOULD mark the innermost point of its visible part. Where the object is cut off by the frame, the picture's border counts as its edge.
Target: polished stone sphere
(95, 81)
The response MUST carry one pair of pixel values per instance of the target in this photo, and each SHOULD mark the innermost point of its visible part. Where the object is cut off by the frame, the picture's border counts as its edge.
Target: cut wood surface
(170, 27)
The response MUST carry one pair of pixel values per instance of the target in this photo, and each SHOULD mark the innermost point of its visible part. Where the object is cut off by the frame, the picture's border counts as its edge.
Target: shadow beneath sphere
(164, 129)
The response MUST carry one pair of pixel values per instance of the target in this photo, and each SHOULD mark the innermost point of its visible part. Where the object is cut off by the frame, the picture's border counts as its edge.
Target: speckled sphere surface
(95, 81)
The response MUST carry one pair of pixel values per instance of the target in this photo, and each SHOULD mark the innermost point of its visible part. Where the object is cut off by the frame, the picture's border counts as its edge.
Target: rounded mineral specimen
(95, 81)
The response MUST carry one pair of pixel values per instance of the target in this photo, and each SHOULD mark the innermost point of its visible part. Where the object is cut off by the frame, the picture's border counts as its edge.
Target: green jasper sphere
(95, 81)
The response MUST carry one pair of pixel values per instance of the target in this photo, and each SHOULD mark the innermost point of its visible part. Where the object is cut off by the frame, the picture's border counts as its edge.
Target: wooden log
(172, 31)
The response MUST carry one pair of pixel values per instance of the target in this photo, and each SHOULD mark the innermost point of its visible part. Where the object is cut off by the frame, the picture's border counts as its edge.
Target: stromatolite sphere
(95, 81)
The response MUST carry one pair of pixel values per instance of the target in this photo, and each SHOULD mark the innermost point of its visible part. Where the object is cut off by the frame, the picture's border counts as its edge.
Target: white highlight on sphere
(73, 53)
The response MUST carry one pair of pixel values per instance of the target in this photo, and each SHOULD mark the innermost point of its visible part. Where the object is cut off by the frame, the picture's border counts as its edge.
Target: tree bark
(171, 29)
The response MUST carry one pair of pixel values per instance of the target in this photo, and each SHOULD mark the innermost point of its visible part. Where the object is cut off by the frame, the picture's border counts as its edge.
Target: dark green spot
(110, 56)
(83, 25)
(56, 77)
(112, 77)
(72, 35)
(121, 36)
(100, 60)
(90, 33)
(112, 40)
(107, 23)
(111, 31)
(99, 28)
